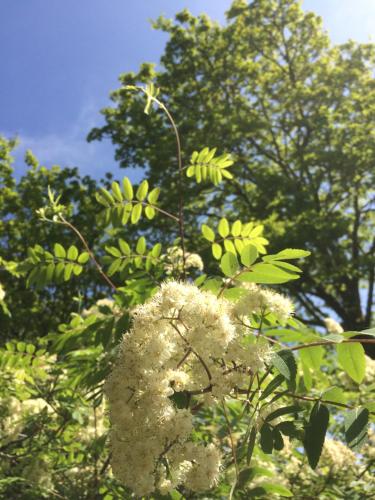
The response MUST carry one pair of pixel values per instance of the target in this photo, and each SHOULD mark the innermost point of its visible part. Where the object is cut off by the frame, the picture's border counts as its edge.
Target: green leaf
(156, 250)
(223, 228)
(288, 254)
(217, 251)
(312, 356)
(286, 410)
(68, 271)
(117, 191)
(356, 426)
(208, 233)
(128, 189)
(115, 252)
(59, 251)
(278, 441)
(107, 196)
(370, 331)
(72, 253)
(251, 444)
(136, 213)
(30, 348)
(334, 394)
(266, 439)
(245, 476)
(249, 255)
(229, 246)
(258, 230)
(141, 245)
(102, 200)
(153, 196)
(272, 386)
(142, 190)
(236, 228)
(229, 264)
(315, 433)
(114, 267)
(190, 171)
(49, 272)
(239, 244)
(83, 258)
(287, 428)
(200, 280)
(286, 265)
(351, 357)
(124, 247)
(77, 269)
(285, 363)
(267, 273)
(234, 293)
(150, 212)
(59, 272)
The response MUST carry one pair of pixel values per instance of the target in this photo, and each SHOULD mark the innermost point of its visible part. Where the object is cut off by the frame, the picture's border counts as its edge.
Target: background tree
(36, 312)
(298, 114)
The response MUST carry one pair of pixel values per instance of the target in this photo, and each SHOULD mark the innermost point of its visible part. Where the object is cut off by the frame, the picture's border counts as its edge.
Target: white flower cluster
(95, 309)
(338, 454)
(182, 340)
(260, 300)
(2, 292)
(174, 260)
(333, 326)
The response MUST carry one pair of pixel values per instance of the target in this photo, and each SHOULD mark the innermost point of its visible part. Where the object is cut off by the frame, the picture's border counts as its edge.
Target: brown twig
(181, 222)
(89, 251)
(332, 342)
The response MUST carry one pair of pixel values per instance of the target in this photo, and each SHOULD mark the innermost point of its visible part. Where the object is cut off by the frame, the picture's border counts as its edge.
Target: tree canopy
(296, 112)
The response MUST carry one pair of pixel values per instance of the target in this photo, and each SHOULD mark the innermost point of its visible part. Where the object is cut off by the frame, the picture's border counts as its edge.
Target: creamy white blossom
(183, 339)
(174, 260)
(260, 300)
(333, 326)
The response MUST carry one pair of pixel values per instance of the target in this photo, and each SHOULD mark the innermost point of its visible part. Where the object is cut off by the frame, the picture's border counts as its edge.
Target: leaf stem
(181, 221)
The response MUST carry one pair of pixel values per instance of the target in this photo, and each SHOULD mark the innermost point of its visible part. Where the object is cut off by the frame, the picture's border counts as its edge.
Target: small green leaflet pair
(44, 268)
(205, 165)
(120, 257)
(234, 238)
(122, 206)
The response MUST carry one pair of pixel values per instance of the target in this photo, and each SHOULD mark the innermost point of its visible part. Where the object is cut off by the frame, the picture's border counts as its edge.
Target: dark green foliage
(315, 433)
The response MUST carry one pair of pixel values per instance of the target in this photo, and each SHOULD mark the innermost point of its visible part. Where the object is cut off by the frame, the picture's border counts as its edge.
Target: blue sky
(60, 59)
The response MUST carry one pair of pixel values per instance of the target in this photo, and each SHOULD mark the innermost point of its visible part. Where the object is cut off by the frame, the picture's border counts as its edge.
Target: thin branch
(201, 360)
(332, 342)
(89, 251)
(181, 222)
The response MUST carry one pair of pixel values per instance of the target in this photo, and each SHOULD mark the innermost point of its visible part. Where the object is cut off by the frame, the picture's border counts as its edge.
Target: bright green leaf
(72, 253)
(142, 190)
(128, 189)
(59, 251)
(208, 233)
(136, 213)
(351, 357)
(223, 228)
(249, 255)
(229, 264)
